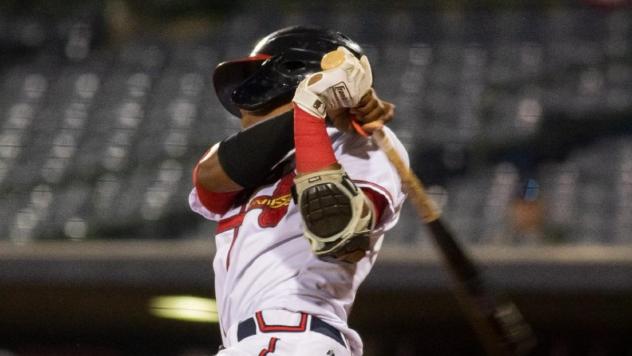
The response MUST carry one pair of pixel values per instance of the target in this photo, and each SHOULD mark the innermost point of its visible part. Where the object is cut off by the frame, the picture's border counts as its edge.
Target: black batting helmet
(269, 76)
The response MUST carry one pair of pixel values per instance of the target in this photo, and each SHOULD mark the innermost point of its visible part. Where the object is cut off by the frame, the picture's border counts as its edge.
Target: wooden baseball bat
(496, 320)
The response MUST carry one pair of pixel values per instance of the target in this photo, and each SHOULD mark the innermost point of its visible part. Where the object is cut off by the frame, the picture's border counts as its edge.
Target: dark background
(516, 116)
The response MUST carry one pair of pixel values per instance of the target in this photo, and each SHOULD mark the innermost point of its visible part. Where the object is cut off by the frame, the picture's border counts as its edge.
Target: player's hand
(371, 112)
(336, 88)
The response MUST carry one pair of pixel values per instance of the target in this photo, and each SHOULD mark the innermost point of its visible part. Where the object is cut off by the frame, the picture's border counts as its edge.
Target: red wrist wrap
(313, 146)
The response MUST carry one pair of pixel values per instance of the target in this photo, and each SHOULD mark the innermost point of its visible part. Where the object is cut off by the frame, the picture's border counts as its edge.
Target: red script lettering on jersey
(273, 208)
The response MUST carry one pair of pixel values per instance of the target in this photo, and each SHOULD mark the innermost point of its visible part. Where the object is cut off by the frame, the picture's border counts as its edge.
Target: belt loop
(265, 328)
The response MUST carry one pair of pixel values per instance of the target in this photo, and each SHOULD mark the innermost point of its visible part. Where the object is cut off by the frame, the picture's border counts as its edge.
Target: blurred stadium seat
(108, 137)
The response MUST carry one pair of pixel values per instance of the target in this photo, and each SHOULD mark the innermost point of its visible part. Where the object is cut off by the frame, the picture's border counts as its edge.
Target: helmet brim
(230, 74)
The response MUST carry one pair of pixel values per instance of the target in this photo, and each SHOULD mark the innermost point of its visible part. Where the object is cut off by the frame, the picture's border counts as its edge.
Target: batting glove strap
(309, 101)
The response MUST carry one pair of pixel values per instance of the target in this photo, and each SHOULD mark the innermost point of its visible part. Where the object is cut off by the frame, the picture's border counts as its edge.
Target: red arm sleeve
(312, 143)
(216, 202)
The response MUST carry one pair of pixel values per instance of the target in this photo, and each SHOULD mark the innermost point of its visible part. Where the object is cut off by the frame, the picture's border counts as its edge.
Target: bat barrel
(494, 317)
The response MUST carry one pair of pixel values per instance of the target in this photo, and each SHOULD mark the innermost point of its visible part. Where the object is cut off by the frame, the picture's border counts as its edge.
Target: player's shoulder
(353, 144)
(397, 144)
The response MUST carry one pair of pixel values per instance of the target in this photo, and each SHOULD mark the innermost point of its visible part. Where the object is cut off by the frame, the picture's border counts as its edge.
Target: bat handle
(420, 199)
(423, 203)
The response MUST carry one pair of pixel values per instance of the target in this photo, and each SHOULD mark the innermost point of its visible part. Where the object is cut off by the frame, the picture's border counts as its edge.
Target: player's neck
(248, 118)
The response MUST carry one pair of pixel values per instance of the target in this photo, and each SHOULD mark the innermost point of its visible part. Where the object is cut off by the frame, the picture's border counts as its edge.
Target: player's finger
(376, 113)
(389, 112)
(366, 98)
(372, 126)
(363, 111)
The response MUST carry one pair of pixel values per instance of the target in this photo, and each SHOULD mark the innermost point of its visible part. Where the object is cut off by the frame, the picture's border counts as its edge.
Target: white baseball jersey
(263, 262)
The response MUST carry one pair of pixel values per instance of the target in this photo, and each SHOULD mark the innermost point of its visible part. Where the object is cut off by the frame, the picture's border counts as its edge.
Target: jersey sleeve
(369, 168)
(195, 203)
(211, 205)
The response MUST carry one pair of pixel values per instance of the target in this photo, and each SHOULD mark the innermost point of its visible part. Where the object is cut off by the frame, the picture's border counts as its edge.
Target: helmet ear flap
(228, 76)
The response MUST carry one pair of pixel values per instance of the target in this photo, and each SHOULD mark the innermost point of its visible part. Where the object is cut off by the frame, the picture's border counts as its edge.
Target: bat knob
(332, 59)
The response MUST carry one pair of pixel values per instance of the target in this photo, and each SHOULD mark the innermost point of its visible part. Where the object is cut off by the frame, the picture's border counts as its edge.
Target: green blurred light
(185, 308)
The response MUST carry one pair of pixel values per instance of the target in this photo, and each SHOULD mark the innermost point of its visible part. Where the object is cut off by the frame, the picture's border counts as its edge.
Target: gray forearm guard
(332, 208)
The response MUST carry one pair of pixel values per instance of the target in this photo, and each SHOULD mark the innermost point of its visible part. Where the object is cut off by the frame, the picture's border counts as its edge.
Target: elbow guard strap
(333, 210)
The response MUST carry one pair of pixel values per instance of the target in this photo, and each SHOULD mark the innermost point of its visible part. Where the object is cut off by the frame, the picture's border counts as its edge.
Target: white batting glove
(339, 87)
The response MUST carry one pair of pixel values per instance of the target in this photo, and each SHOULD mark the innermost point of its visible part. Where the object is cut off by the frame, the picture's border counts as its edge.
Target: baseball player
(302, 201)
